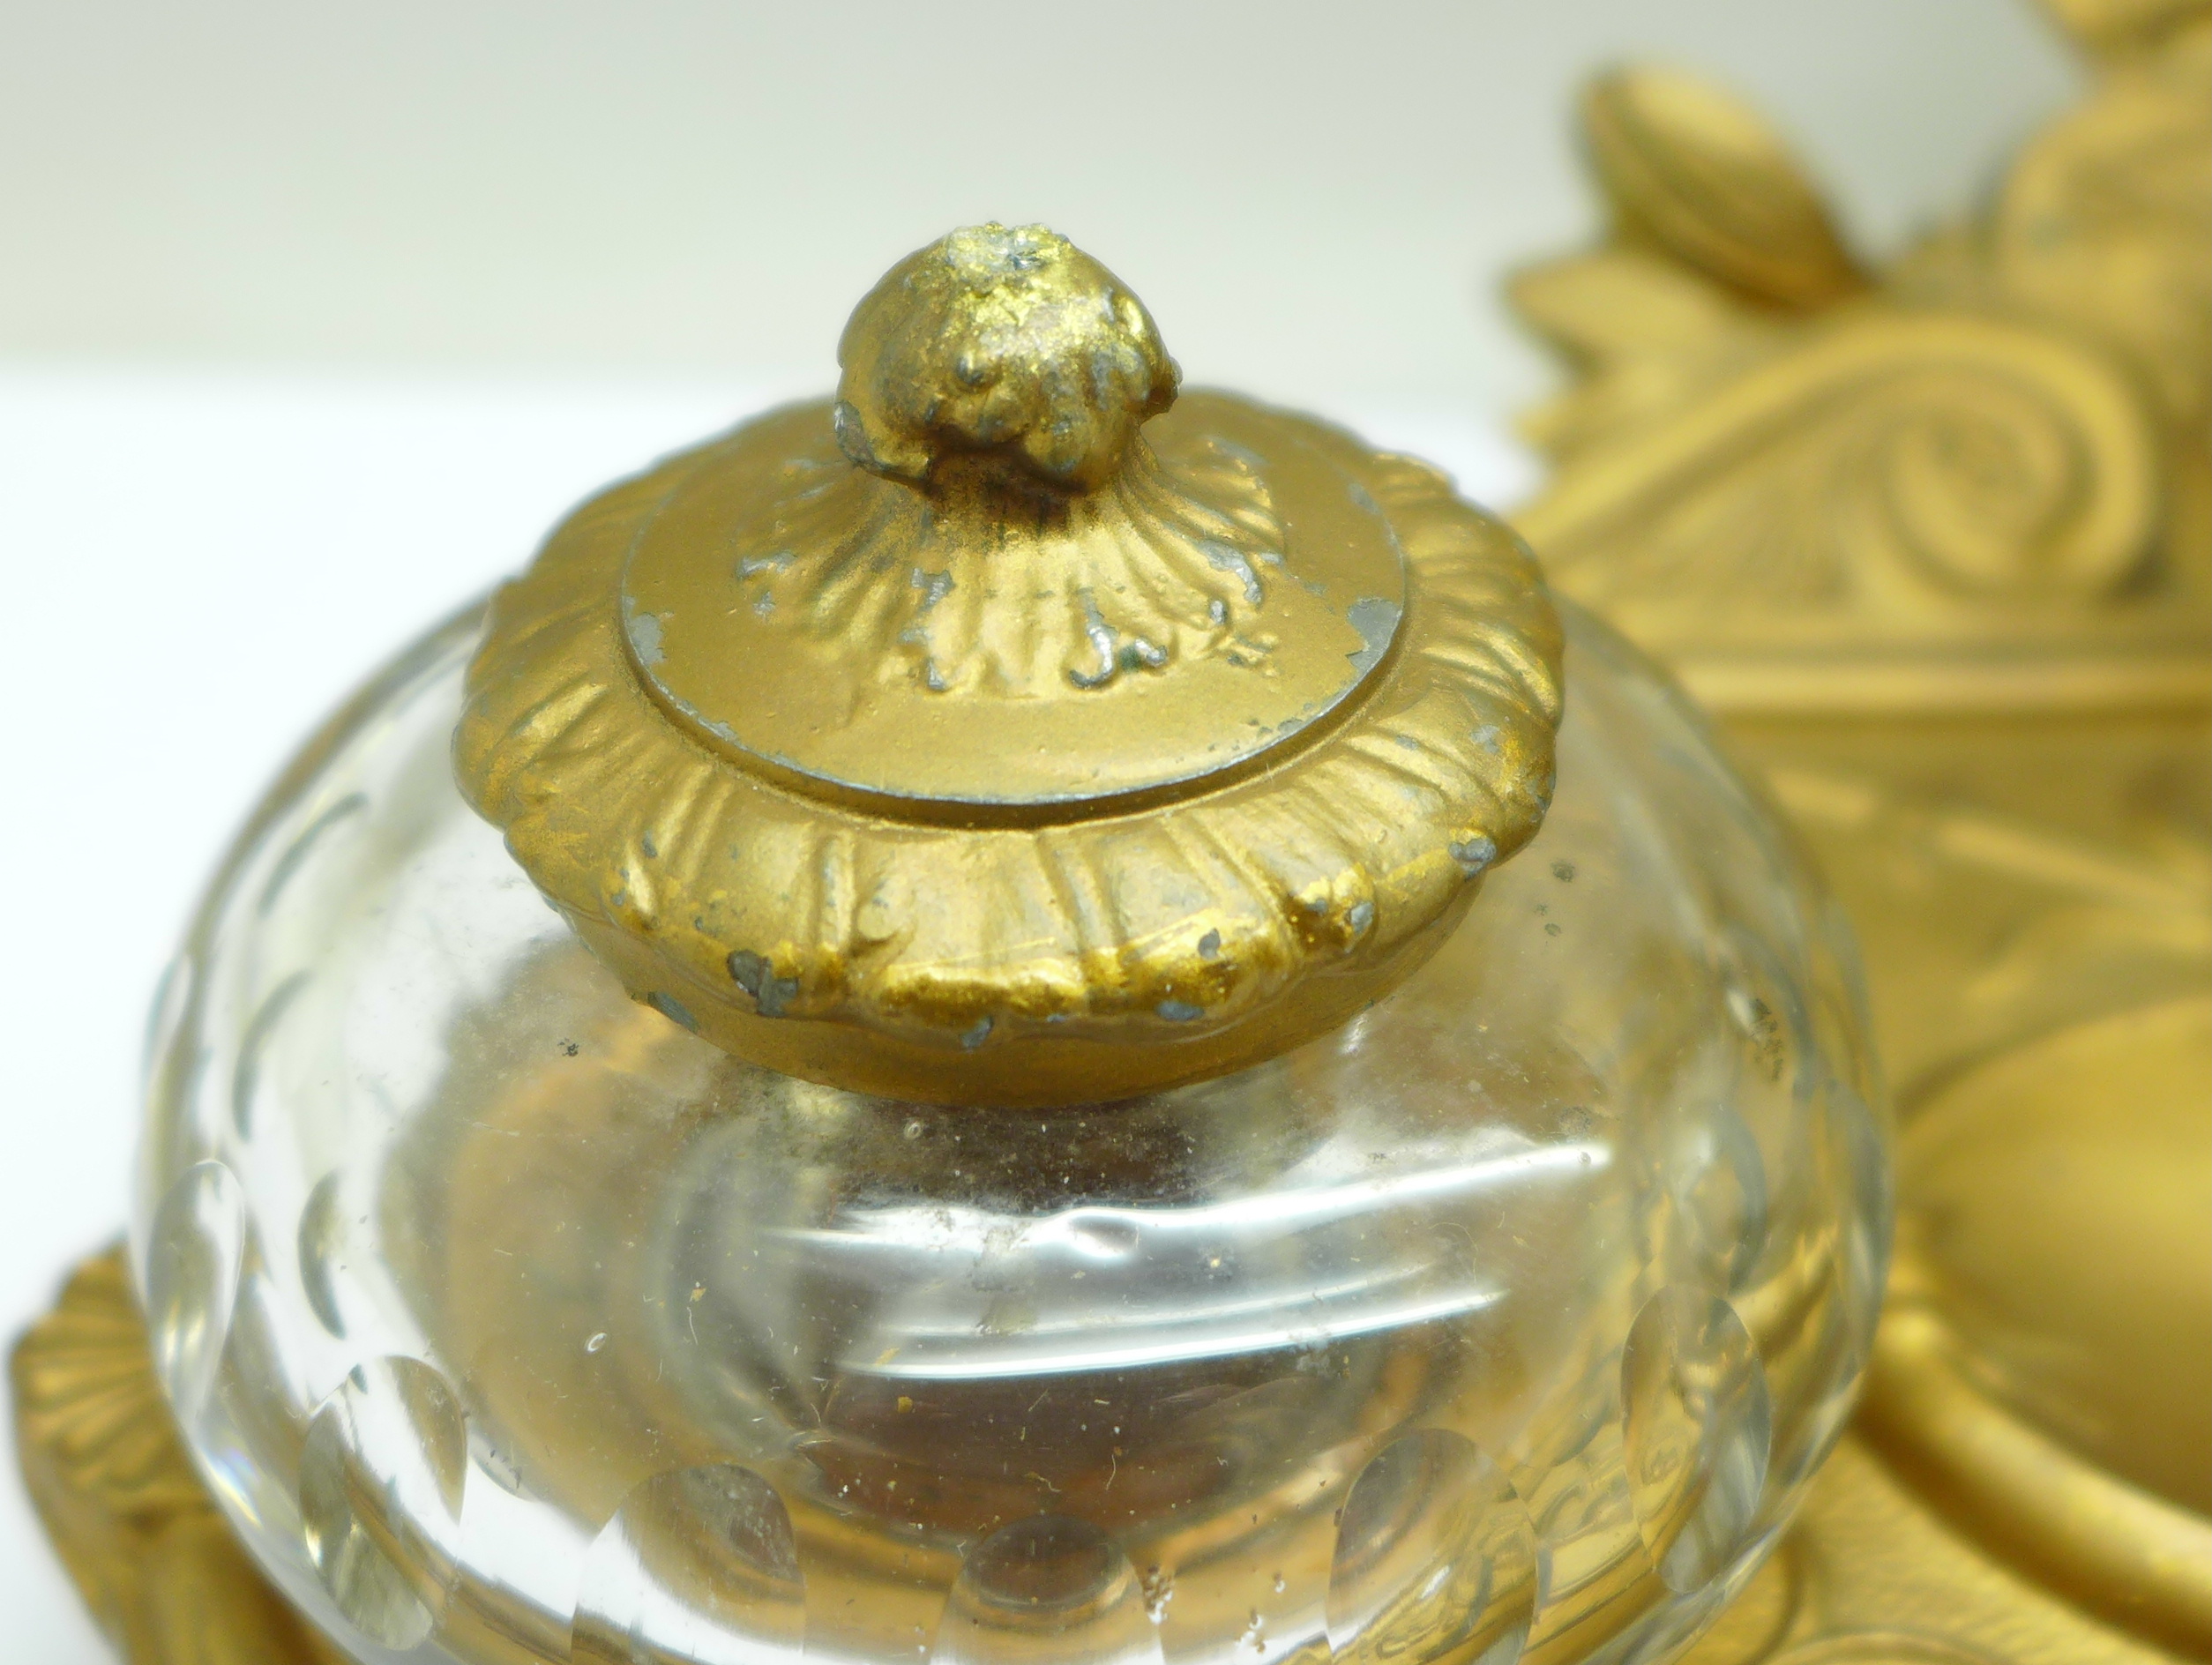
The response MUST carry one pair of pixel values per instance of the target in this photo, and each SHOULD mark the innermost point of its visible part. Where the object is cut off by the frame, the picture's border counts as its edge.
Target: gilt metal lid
(958, 741)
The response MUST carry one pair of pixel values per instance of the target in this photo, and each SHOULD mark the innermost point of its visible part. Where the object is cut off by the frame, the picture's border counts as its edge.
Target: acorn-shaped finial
(1000, 343)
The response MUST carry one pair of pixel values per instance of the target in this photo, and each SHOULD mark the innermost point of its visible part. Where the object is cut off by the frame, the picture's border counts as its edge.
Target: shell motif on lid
(1009, 730)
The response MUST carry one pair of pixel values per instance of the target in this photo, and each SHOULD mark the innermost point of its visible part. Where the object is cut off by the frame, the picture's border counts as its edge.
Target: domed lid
(960, 741)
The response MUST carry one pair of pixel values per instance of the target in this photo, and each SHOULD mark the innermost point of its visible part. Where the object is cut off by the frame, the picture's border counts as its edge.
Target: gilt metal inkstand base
(1935, 541)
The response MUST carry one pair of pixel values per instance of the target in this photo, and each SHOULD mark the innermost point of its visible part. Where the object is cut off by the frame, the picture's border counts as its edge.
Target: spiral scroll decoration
(1894, 463)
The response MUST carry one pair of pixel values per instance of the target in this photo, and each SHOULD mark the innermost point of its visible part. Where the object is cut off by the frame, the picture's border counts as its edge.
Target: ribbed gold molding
(958, 741)
(153, 1557)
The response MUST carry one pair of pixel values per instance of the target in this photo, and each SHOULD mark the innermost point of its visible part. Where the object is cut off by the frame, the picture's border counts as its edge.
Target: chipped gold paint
(874, 642)
(959, 742)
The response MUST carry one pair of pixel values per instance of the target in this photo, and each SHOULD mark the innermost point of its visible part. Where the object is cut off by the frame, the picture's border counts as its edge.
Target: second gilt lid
(997, 733)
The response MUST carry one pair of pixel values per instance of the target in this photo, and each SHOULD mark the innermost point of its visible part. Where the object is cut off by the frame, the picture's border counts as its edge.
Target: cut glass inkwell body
(1142, 1050)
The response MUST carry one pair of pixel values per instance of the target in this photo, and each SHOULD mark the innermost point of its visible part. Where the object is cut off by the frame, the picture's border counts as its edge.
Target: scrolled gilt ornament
(1894, 467)
(1976, 478)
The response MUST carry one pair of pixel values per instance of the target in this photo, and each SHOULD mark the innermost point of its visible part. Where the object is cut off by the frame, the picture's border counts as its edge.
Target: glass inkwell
(1141, 1051)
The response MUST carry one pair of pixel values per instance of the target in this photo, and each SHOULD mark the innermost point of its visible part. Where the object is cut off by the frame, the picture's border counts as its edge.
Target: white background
(313, 318)
(1311, 196)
